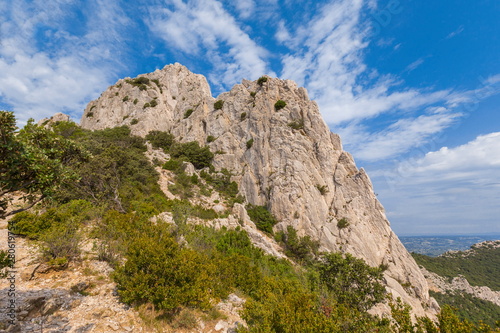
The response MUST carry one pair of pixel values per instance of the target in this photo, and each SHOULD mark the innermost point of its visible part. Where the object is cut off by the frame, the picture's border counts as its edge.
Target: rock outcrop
(285, 158)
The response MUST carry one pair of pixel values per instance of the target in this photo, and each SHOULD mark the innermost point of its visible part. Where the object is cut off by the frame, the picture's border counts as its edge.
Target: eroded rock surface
(286, 159)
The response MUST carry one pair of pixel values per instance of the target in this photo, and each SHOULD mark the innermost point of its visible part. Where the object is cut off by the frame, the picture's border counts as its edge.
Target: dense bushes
(262, 218)
(471, 266)
(200, 157)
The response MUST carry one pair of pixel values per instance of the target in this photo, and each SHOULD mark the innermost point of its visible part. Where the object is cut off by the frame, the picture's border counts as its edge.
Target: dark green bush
(218, 105)
(200, 157)
(303, 249)
(243, 116)
(297, 124)
(253, 93)
(172, 164)
(153, 103)
(261, 80)
(279, 105)
(90, 114)
(134, 121)
(136, 101)
(125, 99)
(352, 281)
(159, 139)
(323, 189)
(262, 218)
(250, 143)
(342, 223)
(188, 113)
(211, 138)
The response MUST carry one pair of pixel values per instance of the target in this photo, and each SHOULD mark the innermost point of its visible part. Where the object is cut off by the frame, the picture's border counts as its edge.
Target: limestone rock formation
(285, 158)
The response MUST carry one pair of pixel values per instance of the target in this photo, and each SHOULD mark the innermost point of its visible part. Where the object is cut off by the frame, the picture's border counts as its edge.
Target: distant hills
(436, 245)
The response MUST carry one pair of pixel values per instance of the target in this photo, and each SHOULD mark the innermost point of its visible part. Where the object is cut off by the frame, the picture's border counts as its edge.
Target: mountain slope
(282, 155)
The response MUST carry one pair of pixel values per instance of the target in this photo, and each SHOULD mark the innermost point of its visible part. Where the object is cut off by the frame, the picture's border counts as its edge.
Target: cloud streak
(204, 28)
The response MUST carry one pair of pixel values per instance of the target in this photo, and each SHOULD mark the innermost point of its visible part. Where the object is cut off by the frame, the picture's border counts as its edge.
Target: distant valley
(437, 245)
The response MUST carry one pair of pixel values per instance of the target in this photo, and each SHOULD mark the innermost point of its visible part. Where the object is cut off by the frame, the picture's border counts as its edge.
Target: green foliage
(297, 124)
(5, 262)
(34, 161)
(172, 164)
(253, 93)
(136, 101)
(250, 143)
(126, 98)
(342, 223)
(449, 322)
(200, 157)
(472, 266)
(89, 114)
(221, 181)
(134, 121)
(211, 138)
(188, 113)
(323, 189)
(160, 272)
(159, 139)
(262, 218)
(218, 105)
(243, 116)
(153, 103)
(470, 308)
(261, 80)
(140, 82)
(302, 249)
(118, 176)
(280, 104)
(353, 282)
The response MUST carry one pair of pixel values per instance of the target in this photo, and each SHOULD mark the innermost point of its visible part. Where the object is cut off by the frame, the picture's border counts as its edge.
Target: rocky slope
(286, 159)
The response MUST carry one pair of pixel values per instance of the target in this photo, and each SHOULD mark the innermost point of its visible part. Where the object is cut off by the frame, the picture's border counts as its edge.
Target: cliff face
(286, 159)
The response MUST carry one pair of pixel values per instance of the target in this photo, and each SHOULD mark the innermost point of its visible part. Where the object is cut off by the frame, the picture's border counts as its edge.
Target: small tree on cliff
(33, 162)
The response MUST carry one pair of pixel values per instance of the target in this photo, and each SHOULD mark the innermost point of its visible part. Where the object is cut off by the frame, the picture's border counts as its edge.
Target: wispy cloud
(204, 28)
(459, 30)
(61, 72)
(414, 65)
(455, 185)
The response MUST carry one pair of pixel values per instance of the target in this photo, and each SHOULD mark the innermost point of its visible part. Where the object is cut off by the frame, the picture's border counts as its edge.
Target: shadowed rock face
(295, 165)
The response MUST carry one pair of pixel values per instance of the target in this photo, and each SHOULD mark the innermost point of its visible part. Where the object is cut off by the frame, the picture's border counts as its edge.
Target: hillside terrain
(467, 280)
(168, 210)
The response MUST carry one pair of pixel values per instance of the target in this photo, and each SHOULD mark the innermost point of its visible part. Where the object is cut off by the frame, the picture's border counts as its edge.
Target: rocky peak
(282, 154)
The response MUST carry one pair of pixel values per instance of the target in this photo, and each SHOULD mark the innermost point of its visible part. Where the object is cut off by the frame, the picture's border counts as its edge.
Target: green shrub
(136, 101)
(211, 138)
(279, 105)
(200, 157)
(262, 218)
(125, 99)
(134, 121)
(160, 139)
(250, 143)
(253, 93)
(90, 114)
(5, 261)
(297, 124)
(172, 164)
(218, 105)
(342, 223)
(243, 116)
(188, 113)
(303, 249)
(352, 281)
(158, 271)
(153, 103)
(261, 80)
(146, 105)
(323, 189)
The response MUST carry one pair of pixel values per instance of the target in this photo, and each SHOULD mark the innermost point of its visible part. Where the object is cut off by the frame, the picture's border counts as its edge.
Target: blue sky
(412, 87)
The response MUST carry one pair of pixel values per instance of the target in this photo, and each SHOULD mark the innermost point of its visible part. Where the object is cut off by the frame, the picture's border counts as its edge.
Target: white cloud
(62, 73)
(205, 28)
(401, 136)
(456, 187)
(459, 30)
(414, 65)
